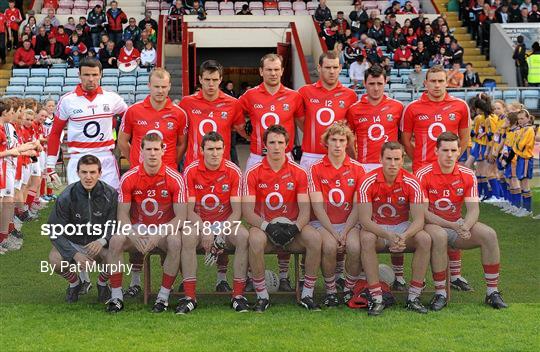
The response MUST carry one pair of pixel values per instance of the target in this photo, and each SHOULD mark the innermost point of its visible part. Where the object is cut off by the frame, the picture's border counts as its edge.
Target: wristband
(102, 241)
(264, 225)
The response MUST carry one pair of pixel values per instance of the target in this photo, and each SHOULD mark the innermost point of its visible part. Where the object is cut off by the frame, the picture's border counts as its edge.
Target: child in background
(508, 161)
(524, 148)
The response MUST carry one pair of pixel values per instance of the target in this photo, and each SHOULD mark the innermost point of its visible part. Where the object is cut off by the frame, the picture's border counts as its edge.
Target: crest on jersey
(106, 108)
(225, 188)
(290, 186)
(164, 193)
(459, 191)
(452, 116)
(341, 104)
(350, 182)
(285, 107)
(170, 125)
(389, 117)
(401, 200)
(224, 115)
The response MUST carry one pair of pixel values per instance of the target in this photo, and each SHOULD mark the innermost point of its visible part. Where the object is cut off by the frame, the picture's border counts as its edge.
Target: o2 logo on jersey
(436, 126)
(445, 204)
(210, 202)
(92, 129)
(270, 202)
(265, 117)
(204, 123)
(387, 211)
(327, 111)
(149, 207)
(336, 197)
(376, 132)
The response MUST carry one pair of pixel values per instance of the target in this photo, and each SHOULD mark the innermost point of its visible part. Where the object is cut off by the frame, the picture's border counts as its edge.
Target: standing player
(325, 102)
(211, 110)
(375, 120)
(271, 103)
(435, 112)
(214, 200)
(89, 114)
(151, 194)
(524, 150)
(155, 113)
(447, 186)
(332, 184)
(386, 197)
(276, 205)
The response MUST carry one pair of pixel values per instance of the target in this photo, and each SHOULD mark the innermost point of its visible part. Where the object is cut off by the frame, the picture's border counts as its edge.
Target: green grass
(33, 315)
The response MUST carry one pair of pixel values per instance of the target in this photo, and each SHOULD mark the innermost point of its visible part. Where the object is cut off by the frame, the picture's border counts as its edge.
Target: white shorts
(42, 160)
(309, 159)
(337, 227)
(9, 191)
(399, 229)
(370, 167)
(109, 168)
(452, 236)
(255, 158)
(35, 169)
(25, 177)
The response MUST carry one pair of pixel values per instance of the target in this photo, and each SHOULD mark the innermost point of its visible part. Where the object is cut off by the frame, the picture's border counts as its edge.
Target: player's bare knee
(190, 241)
(55, 258)
(422, 241)
(116, 244)
(257, 240)
(329, 247)
(174, 245)
(241, 238)
(367, 241)
(312, 238)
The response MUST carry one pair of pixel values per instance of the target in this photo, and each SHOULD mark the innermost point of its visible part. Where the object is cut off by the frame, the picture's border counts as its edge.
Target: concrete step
(4, 72)
(469, 57)
(467, 44)
(486, 70)
(478, 64)
(497, 78)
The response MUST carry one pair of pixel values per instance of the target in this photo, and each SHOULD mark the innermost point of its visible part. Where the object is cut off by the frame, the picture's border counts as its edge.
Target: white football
(386, 274)
(272, 281)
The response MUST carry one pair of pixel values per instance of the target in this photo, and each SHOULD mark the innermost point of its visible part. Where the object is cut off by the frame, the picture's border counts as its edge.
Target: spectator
(148, 19)
(104, 40)
(376, 32)
(534, 15)
(329, 34)
(54, 53)
(395, 39)
(485, 30)
(13, 20)
(519, 56)
(74, 40)
(245, 10)
(84, 36)
(148, 56)
(31, 21)
(407, 9)
(338, 50)
(441, 58)
(359, 20)
(526, 4)
(26, 33)
(228, 88)
(417, 22)
(322, 13)
(421, 55)
(391, 25)
(456, 51)
(25, 57)
(115, 19)
(386, 65)
(411, 37)
(455, 77)
(108, 55)
(356, 71)
(471, 78)
(533, 62)
(97, 21)
(524, 15)
(3, 29)
(46, 23)
(152, 34)
(403, 56)
(352, 51)
(55, 22)
(129, 55)
(197, 10)
(417, 77)
(514, 12)
(435, 45)
(372, 52)
(393, 9)
(341, 22)
(41, 41)
(140, 45)
(61, 36)
(53, 4)
(502, 14)
(132, 31)
(74, 56)
(84, 25)
(70, 26)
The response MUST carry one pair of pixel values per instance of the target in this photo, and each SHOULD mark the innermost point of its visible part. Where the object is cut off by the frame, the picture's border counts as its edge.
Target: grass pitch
(33, 315)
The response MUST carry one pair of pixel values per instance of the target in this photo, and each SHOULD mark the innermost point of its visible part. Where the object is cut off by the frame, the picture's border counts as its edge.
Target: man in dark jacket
(115, 19)
(359, 20)
(97, 20)
(108, 55)
(80, 226)
(520, 59)
(322, 13)
(148, 19)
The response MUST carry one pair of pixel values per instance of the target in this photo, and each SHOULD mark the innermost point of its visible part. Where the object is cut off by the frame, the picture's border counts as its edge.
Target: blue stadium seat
(111, 88)
(471, 94)
(15, 89)
(143, 89)
(36, 81)
(530, 97)
(405, 71)
(142, 79)
(403, 96)
(126, 89)
(510, 95)
(37, 97)
(67, 89)
(141, 72)
(21, 72)
(106, 81)
(139, 97)
(458, 94)
(39, 72)
(110, 72)
(395, 79)
(57, 72)
(34, 90)
(398, 86)
(496, 94)
(52, 90)
(61, 65)
(44, 97)
(71, 81)
(132, 73)
(405, 79)
(72, 72)
(18, 81)
(55, 81)
(128, 98)
(127, 80)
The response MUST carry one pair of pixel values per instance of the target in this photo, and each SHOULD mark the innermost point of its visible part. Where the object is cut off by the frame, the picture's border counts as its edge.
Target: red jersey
(170, 122)
(213, 189)
(322, 108)
(373, 125)
(152, 197)
(447, 192)
(3, 23)
(13, 17)
(390, 203)
(336, 185)
(427, 119)
(276, 192)
(125, 56)
(265, 109)
(205, 116)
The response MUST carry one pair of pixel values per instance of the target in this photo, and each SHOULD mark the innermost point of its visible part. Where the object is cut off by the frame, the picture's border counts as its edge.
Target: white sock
(73, 284)
(490, 290)
(221, 277)
(117, 293)
(164, 294)
(84, 276)
(135, 279)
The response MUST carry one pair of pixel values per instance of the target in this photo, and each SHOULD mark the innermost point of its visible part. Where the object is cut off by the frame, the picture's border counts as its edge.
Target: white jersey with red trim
(89, 118)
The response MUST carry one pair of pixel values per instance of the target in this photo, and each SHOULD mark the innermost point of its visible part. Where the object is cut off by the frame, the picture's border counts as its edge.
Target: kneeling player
(449, 185)
(151, 195)
(386, 196)
(276, 204)
(332, 184)
(214, 208)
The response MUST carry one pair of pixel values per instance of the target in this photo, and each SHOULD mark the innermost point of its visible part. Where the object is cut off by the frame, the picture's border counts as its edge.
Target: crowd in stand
(108, 34)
